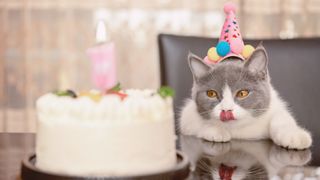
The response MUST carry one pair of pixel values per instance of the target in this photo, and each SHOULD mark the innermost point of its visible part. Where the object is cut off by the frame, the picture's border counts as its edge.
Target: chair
(294, 67)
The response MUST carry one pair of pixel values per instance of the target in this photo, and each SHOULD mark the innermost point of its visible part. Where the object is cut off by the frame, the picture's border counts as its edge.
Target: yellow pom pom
(213, 55)
(247, 51)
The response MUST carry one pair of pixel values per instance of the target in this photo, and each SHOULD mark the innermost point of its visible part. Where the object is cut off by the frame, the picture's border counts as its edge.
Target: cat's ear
(197, 66)
(258, 61)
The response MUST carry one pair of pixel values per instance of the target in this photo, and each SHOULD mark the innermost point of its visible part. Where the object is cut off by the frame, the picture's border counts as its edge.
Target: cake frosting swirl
(143, 105)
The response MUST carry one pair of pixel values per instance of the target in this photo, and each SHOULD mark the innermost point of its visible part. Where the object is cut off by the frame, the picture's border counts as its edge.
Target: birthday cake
(105, 134)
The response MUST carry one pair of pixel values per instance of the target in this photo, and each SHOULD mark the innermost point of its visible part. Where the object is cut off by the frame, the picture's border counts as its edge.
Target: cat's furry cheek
(241, 113)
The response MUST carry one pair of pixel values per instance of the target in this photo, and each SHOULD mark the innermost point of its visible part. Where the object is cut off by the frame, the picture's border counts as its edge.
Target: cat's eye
(212, 93)
(242, 93)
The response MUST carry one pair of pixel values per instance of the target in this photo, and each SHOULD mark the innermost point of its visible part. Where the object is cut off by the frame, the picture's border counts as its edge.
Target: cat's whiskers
(257, 109)
(256, 170)
(205, 113)
(202, 165)
(209, 111)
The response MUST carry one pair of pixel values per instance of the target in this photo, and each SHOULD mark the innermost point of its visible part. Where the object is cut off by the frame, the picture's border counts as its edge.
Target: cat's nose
(226, 115)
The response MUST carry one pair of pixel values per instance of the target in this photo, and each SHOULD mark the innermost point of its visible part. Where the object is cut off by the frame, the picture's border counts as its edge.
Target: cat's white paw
(289, 157)
(215, 134)
(293, 138)
(215, 148)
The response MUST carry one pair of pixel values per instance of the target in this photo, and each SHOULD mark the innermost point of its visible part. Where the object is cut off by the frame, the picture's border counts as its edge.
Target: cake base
(179, 172)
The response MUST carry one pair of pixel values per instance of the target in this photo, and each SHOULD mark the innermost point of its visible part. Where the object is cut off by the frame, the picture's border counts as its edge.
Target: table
(208, 159)
(241, 159)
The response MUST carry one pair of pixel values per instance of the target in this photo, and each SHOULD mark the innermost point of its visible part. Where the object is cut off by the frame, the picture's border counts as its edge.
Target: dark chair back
(294, 67)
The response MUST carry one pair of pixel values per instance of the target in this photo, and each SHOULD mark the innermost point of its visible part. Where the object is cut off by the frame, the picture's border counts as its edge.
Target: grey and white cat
(234, 99)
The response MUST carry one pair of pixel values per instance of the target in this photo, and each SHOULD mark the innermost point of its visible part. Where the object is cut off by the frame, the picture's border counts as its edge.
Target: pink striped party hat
(230, 41)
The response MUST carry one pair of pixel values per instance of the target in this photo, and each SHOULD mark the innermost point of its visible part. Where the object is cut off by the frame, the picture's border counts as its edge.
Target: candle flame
(101, 34)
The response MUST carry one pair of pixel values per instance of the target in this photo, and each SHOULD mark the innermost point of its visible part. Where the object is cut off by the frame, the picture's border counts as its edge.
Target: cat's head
(232, 91)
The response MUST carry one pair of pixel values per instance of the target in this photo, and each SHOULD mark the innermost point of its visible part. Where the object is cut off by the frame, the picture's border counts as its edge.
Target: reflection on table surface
(241, 159)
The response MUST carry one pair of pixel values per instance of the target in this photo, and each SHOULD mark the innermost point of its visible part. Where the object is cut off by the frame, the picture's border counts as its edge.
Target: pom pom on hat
(223, 48)
(228, 7)
(208, 61)
(213, 54)
(247, 51)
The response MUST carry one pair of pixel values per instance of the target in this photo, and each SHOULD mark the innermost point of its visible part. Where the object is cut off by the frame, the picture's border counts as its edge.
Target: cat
(234, 99)
(234, 160)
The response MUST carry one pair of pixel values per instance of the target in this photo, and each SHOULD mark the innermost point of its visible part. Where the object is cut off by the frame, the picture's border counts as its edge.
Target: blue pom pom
(223, 48)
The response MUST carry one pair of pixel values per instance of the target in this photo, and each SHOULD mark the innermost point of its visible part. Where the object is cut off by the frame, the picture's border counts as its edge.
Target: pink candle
(103, 61)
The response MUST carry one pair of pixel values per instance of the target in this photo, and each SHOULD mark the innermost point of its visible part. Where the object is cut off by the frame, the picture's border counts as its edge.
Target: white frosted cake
(115, 134)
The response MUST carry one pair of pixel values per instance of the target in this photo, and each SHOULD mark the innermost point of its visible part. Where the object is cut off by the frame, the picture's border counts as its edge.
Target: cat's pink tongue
(226, 115)
(225, 172)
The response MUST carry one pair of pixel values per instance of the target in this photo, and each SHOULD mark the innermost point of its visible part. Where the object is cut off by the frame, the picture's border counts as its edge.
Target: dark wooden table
(13, 148)
(205, 156)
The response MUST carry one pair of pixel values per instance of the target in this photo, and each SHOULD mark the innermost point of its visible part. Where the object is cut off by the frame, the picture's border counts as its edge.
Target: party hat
(230, 41)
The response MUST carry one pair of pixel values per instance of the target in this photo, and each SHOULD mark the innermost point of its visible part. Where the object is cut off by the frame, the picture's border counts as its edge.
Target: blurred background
(43, 43)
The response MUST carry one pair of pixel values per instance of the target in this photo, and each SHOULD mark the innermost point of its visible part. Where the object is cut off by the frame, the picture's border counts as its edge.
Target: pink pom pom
(237, 46)
(207, 60)
(228, 7)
